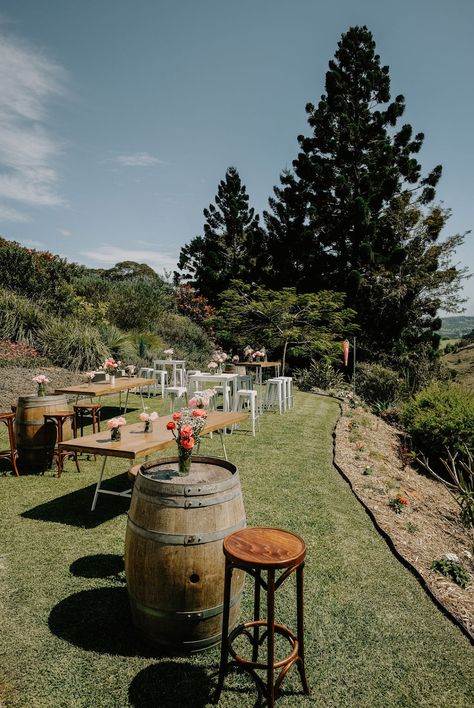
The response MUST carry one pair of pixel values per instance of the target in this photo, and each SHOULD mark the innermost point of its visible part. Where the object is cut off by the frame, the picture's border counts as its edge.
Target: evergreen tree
(339, 215)
(231, 246)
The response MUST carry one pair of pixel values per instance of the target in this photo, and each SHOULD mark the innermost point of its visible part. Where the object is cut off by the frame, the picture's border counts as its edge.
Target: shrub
(72, 344)
(139, 304)
(439, 418)
(188, 339)
(452, 569)
(20, 319)
(320, 374)
(377, 384)
(17, 354)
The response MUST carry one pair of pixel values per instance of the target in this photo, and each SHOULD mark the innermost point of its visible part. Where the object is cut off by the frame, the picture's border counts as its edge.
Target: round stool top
(7, 416)
(265, 547)
(61, 414)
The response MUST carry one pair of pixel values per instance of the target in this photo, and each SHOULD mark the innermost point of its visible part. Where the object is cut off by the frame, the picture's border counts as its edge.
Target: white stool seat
(274, 394)
(245, 396)
(175, 393)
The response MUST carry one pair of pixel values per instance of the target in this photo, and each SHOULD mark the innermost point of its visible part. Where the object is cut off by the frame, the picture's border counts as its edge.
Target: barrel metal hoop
(196, 489)
(185, 616)
(187, 503)
(173, 539)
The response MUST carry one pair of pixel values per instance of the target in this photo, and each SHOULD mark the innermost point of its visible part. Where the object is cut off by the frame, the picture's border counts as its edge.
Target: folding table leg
(96, 493)
(223, 444)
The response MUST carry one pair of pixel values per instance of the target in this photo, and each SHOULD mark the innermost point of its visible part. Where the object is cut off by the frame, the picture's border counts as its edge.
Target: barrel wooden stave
(35, 441)
(176, 589)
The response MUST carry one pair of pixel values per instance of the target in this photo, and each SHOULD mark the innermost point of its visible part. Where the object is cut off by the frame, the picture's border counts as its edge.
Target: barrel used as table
(174, 561)
(35, 441)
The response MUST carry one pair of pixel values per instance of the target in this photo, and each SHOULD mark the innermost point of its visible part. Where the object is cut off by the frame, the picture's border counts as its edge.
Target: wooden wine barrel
(174, 561)
(34, 440)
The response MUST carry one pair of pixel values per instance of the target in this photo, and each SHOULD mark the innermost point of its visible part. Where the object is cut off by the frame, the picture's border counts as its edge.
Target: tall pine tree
(338, 218)
(231, 247)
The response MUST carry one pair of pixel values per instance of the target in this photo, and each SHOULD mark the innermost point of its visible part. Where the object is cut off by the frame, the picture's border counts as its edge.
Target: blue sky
(119, 118)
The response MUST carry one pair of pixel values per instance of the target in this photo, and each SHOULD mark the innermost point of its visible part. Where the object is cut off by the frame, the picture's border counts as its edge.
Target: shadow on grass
(170, 684)
(74, 508)
(99, 620)
(102, 565)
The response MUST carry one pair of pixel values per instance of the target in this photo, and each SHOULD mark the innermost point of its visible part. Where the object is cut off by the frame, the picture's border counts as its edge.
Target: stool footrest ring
(279, 629)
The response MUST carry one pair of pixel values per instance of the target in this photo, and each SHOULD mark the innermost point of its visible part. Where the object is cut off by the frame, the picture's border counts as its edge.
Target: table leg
(126, 401)
(223, 444)
(96, 493)
(143, 402)
(225, 391)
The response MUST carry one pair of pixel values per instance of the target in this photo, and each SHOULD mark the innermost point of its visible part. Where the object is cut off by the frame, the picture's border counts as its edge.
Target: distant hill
(456, 327)
(461, 364)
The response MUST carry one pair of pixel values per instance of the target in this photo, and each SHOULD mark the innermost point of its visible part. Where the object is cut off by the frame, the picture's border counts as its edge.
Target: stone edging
(387, 538)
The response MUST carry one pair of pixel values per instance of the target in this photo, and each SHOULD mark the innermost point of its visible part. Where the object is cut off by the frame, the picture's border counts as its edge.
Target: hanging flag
(345, 350)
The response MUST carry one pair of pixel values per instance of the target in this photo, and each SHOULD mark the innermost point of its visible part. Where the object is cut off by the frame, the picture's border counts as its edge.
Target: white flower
(451, 557)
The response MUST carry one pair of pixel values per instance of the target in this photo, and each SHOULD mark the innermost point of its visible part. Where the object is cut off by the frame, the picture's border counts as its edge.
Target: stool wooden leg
(300, 626)
(11, 437)
(270, 638)
(256, 616)
(225, 630)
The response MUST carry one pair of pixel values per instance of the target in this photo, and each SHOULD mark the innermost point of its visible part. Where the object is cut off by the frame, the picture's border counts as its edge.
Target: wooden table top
(134, 443)
(102, 388)
(263, 364)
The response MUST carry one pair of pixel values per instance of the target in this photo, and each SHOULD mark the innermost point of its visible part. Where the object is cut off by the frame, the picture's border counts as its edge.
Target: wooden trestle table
(104, 388)
(135, 444)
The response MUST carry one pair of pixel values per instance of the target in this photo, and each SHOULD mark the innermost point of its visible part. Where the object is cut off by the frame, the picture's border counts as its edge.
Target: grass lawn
(373, 638)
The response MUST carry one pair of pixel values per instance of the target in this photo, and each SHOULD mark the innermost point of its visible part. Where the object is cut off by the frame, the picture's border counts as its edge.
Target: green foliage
(231, 247)
(138, 304)
(145, 346)
(38, 275)
(72, 344)
(312, 323)
(189, 341)
(398, 504)
(21, 319)
(352, 215)
(320, 374)
(117, 343)
(378, 385)
(440, 417)
(452, 569)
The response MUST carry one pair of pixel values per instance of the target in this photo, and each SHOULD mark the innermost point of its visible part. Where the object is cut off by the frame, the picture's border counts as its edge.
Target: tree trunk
(283, 359)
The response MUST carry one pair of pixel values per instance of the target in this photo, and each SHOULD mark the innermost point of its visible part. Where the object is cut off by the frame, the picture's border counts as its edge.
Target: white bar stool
(247, 397)
(161, 380)
(147, 373)
(274, 394)
(175, 393)
(288, 391)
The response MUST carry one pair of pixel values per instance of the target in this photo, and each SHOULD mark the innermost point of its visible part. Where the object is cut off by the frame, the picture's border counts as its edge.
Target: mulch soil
(16, 381)
(371, 455)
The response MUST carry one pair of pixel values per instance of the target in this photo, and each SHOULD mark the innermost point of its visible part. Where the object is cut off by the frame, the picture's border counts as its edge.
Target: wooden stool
(58, 419)
(254, 550)
(11, 454)
(90, 409)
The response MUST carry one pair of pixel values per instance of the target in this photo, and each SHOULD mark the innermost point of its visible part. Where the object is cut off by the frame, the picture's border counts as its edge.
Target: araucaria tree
(231, 244)
(354, 215)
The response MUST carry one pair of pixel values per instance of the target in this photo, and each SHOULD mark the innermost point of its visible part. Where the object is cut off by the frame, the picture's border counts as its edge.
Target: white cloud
(27, 151)
(138, 159)
(8, 214)
(110, 255)
(65, 232)
(30, 243)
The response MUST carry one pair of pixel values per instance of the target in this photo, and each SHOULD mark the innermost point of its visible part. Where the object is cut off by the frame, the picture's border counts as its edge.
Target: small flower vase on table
(148, 427)
(41, 389)
(112, 380)
(115, 434)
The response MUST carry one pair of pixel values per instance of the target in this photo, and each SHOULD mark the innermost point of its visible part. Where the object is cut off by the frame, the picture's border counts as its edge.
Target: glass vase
(115, 434)
(112, 380)
(148, 427)
(184, 464)
(41, 389)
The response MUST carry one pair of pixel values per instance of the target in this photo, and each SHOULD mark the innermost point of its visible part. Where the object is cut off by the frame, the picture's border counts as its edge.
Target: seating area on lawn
(372, 635)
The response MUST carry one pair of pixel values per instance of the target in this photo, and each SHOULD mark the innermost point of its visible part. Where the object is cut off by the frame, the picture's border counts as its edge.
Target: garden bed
(16, 381)
(368, 451)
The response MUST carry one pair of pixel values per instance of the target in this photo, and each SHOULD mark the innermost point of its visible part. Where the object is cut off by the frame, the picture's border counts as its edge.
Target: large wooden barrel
(174, 561)
(35, 441)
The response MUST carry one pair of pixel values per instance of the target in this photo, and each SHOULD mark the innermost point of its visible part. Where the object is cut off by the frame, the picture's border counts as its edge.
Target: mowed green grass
(373, 638)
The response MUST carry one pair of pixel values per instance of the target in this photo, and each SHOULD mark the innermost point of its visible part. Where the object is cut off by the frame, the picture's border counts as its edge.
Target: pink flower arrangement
(235, 359)
(198, 401)
(212, 365)
(40, 379)
(258, 355)
(110, 366)
(148, 417)
(116, 422)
